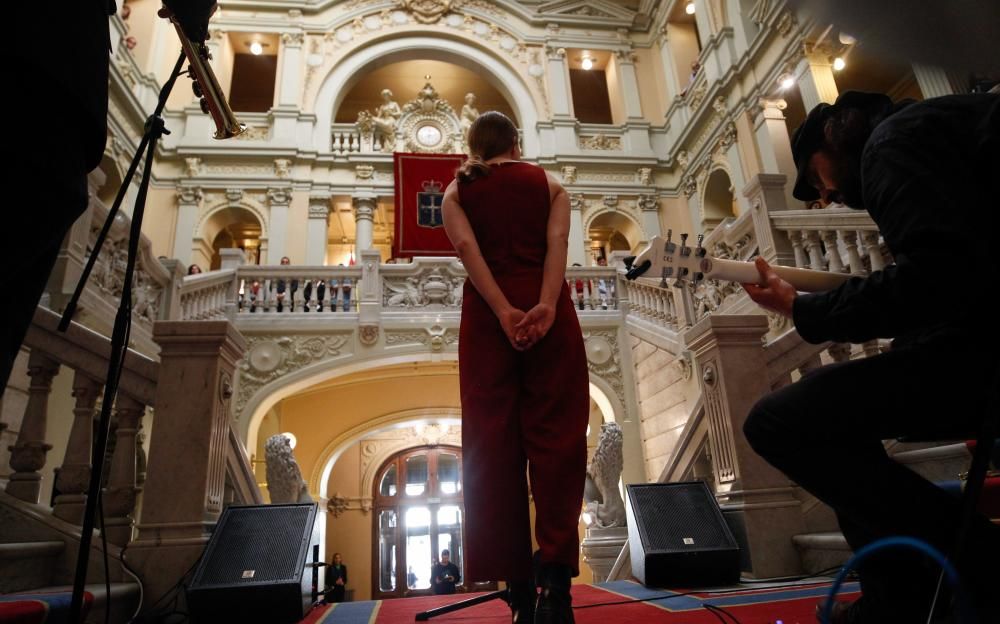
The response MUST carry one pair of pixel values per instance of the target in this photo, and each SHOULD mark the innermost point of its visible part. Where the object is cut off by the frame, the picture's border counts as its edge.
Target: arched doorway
(231, 228)
(719, 203)
(418, 512)
(610, 232)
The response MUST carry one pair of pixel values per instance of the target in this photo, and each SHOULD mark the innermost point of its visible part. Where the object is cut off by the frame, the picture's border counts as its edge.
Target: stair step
(821, 551)
(124, 599)
(26, 565)
(937, 463)
(30, 550)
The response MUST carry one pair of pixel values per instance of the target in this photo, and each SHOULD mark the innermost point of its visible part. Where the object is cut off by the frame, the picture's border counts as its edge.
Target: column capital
(555, 53)
(279, 196)
(648, 203)
(293, 39)
(771, 108)
(189, 195)
(625, 56)
(319, 207)
(364, 205)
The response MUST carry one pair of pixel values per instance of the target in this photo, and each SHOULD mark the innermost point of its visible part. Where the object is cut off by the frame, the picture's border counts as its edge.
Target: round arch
(446, 47)
(201, 231)
(320, 475)
(270, 394)
(622, 222)
(718, 202)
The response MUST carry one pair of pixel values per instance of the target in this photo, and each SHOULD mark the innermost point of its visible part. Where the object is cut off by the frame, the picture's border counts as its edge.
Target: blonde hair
(490, 135)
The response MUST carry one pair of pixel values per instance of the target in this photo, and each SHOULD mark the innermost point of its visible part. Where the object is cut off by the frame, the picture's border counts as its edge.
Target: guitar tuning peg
(670, 233)
(700, 251)
(684, 238)
(698, 277)
(680, 282)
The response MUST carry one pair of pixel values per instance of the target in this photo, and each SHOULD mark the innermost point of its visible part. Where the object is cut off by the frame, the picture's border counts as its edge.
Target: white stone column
(815, 77)
(669, 70)
(290, 87)
(628, 84)
(188, 204)
(559, 92)
(278, 202)
(703, 20)
(935, 82)
(649, 206)
(577, 252)
(364, 215)
(316, 230)
(774, 145)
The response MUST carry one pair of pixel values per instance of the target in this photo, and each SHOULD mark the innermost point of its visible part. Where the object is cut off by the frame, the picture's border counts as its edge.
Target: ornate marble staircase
(39, 542)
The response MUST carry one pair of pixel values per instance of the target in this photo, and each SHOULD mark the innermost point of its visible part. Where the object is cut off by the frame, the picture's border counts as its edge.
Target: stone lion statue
(603, 500)
(284, 479)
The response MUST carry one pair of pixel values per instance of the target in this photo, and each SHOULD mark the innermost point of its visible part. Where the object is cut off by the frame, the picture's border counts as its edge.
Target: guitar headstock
(665, 259)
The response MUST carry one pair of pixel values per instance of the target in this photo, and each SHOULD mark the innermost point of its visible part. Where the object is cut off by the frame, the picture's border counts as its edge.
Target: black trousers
(31, 239)
(826, 431)
(335, 594)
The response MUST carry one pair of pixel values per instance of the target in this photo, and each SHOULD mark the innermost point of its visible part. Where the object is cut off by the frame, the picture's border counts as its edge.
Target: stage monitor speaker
(677, 536)
(253, 569)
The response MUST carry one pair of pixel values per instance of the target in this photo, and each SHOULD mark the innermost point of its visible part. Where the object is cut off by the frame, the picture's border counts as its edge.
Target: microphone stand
(154, 130)
(503, 594)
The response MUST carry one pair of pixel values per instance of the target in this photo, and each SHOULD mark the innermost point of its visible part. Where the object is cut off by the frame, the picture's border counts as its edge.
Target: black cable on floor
(719, 612)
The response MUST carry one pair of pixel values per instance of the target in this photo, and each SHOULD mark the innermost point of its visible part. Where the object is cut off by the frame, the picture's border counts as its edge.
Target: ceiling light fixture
(839, 63)
(689, 8)
(846, 39)
(787, 82)
(587, 63)
(256, 49)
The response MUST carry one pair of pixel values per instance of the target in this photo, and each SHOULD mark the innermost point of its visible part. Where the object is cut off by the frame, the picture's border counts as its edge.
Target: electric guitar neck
(664, 260)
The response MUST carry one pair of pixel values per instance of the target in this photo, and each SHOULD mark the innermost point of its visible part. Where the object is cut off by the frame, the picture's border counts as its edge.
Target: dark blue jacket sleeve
(936, 240)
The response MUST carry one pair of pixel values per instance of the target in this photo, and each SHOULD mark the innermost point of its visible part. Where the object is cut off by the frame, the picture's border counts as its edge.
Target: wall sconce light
(689, 8)
(839, 63)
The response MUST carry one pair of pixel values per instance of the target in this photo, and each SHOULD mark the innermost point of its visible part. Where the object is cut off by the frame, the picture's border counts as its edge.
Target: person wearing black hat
(926, 173)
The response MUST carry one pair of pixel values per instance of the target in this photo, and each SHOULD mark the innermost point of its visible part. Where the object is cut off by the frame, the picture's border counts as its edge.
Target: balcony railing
(424, 285)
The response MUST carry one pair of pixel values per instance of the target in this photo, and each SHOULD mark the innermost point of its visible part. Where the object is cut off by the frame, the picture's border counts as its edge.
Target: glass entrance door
(418, 504)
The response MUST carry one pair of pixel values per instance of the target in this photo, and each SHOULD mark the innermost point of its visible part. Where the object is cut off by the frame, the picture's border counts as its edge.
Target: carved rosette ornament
(689, 186)
(269, 358)
(426, 11)
(600, 142)
(368, 334)
(604, 360)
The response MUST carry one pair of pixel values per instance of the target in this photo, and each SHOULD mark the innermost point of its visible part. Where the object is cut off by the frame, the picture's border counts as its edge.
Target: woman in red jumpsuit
(522, 372)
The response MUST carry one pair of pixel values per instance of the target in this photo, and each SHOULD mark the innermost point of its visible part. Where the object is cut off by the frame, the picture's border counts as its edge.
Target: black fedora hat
(809, 137)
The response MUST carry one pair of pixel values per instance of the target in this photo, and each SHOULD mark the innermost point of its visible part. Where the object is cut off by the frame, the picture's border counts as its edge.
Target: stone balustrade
(424, 285)
(141, 388)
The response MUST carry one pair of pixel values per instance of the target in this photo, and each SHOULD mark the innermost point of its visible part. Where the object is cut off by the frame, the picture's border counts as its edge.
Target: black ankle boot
(554, 606)
(521, 597)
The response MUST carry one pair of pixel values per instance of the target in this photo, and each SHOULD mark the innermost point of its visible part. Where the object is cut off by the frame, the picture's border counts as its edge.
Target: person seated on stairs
(926, 173)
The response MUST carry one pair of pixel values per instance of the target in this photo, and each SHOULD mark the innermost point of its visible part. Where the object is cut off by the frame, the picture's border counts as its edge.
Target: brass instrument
(206, 87)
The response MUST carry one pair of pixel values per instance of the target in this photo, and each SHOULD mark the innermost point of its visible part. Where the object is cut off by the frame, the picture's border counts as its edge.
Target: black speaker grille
(260, 544)
(679, 517)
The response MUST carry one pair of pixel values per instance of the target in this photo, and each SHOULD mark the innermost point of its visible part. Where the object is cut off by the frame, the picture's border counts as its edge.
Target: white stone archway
(320, 476)
(270, 394)
(444, 47)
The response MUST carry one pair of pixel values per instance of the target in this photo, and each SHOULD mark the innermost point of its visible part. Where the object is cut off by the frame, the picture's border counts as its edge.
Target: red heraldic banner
(420, 183)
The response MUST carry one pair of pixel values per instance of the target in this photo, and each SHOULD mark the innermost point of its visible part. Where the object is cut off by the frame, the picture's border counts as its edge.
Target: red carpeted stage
(790, 604)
